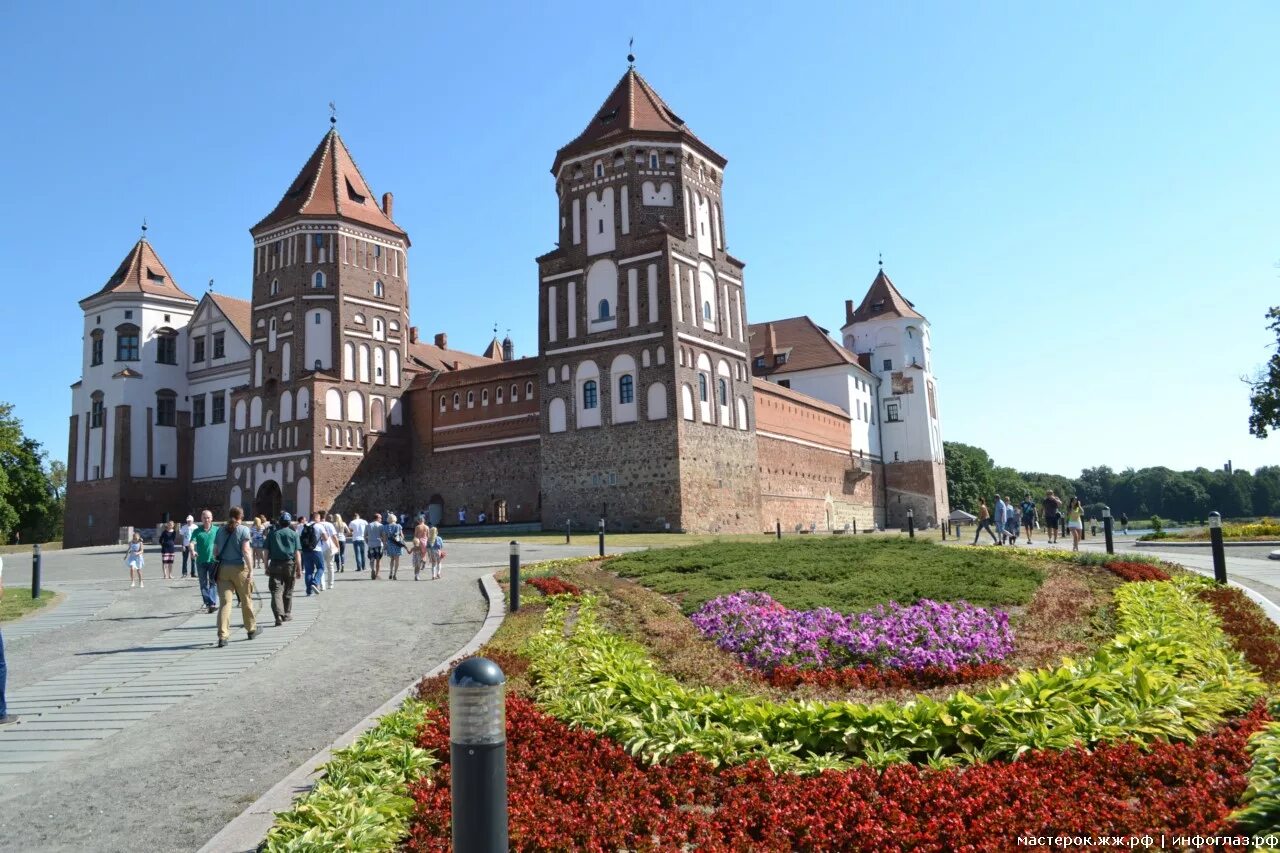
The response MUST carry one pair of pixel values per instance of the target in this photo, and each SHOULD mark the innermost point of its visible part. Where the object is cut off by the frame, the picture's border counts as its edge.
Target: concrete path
(198, 733)
(77, 605)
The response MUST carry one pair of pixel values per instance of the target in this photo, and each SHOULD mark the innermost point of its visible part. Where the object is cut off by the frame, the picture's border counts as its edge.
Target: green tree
(1266, 490)
(1265, 387)
(1094, 485)
(969, 475)
(28, 501)
(10, 443)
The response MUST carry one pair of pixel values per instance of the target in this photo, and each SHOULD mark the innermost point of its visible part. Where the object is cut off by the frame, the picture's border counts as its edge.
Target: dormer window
(352, 194)
(760, 361)
(780, 358)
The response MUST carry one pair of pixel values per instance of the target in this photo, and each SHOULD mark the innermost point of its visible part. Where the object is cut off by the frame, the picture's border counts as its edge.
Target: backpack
(308, 537)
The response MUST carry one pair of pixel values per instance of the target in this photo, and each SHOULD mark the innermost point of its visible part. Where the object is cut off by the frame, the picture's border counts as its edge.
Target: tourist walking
(344, 532)
(5, 717)
(284, 565)
(135, 560)
(421, 542)
(1075, 522)
(1012, 521)
(393, 533)
(234, 559)
(358, 527)
(1028, 508)
(311, 541)
(1052, 515)
(202, 539)
(258, 541)
(462, 515)
(984, 523)
(188, 556)
(330, 550)
(1124, 523)
(377, 538)
(435, 551)
(168, 550)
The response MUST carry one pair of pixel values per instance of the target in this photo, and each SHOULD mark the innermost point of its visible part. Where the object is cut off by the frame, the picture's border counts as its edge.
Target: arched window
(379, 328)
(653, 159)
(348, 361)
(515, 389)
(498, 396)
(358, 319)
(590, 396)
(443, 403)
(551, 379)
(379, 366)
(602, 310)
(723, 388)
(127, 342)
(377, 415)
(702, 387)
(317, 281)
(484, 397)
(378, 290)
(528, 390)
(96, 351)
(657, 401)
(275, 287)
(457, 401)
(355, 407)
(556, 415)
(626, 389)
(97, 414)
(362, 363)
(286, 406)
(286, 361)
(471, 399)
(333, 404)
(599, 169)
(706, 310)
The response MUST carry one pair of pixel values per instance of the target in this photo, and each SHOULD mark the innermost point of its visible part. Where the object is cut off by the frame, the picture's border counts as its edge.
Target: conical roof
(633, 110)
(494, 350)
(329, 185)
(883, 300)
(142, 271)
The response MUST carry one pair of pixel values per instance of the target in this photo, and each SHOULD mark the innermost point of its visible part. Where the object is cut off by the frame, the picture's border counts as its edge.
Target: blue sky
(1084, 199)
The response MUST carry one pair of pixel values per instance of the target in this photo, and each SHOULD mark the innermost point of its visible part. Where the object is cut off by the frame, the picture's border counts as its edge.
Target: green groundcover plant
(1170, 674)
(362, 802)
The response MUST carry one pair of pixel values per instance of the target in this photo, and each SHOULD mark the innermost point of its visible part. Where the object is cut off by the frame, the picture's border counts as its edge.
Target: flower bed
(1169, 674)
(1137, 571)
(550, 586)
(764, 634)
(872, 677)
(573, 789)
(1256, 636)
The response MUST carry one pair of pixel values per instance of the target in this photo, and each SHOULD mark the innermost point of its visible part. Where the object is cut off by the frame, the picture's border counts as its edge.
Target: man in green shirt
(284, 564)
(202, 542)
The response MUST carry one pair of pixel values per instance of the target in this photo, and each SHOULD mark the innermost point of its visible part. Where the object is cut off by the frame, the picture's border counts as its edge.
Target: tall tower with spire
(893, 340)
(330, 327)
(647, 407)
(129, 444)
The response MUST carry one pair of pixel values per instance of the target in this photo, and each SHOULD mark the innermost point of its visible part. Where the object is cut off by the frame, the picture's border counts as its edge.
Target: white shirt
(331, 543)
(319, 529)
(357, 529)
(185, 531)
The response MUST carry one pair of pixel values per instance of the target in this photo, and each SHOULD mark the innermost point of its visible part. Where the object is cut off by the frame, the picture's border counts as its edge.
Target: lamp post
(478, 755)
(35, 570)
(1107, 529)
(602, 537)
(568, 530)
(777, 527)
(1215, 543)
(911, 522)
(515, 576)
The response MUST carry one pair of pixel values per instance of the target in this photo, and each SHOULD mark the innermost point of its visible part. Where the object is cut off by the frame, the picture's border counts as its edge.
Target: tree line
(32, 489)
(1178, 495)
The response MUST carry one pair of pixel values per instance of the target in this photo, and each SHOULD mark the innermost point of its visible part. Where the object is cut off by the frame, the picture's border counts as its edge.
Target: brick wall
(920, 485)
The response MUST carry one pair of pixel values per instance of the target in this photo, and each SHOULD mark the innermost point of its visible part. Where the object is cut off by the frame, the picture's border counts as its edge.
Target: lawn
(647, 540)
(25, 549)
(846, 574)
(18, 602)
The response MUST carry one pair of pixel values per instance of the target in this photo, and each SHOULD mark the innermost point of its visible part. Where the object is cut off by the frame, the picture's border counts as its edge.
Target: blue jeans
(312, 568)
(357, 548)
(340, 558)
(208, 584)
(186, 559)
(4, 676)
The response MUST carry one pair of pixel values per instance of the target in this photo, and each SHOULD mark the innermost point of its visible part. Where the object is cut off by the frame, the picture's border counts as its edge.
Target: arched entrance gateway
(268, 501)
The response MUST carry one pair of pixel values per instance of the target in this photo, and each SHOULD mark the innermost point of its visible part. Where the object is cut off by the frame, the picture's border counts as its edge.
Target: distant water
(1142, 531)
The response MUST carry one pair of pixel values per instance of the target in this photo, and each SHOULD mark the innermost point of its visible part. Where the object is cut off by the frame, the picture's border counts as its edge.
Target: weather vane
(333, 113)
(881, 256)
(631, 55)
(144, 228)
(211, 285)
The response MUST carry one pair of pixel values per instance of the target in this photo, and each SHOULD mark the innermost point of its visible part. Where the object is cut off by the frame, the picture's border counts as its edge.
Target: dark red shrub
(1251, 632)
(435, 690)
(1137, 571)
(873, 677)
(549, 586)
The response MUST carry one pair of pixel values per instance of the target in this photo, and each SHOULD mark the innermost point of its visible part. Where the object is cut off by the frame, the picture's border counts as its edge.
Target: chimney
(387, 200)
(848, 311)
(457, 365)
(413, 334)
(442, 340)
(773, 340)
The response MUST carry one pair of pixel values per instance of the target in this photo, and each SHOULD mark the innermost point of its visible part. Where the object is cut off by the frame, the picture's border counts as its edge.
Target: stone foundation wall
(478, 478)
(921, 486)
(719, 480)
(811, 486)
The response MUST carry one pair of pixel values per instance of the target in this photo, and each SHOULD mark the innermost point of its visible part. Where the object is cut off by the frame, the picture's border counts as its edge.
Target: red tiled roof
(494, 350)
(238, 311)
(767, 387)
(142, 271)
(806, 344)
(493, 371)
(633, 110)
(432, 357)
(329, 185)
(883, 300)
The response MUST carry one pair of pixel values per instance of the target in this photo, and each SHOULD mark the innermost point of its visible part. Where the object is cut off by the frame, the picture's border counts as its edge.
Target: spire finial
(631, 55)
(333, 114)
(881, 256)
(144, 229)
(211, 285)
(495, 330)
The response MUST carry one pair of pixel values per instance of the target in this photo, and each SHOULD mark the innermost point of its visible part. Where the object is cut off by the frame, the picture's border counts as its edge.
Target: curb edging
(244, 833)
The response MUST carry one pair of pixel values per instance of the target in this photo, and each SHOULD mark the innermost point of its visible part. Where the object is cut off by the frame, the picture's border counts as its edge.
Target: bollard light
(911, 522)
(478, 755)
(514, 579)
(1217, 549)
(1107, 529)
(35, 570)
(1215, 521)
(1106, 511)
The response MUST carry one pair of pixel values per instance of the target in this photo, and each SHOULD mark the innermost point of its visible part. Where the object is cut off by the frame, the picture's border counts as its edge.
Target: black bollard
(515, 576)
(943, 527)
(911, 522)
(478, 756)
(1106, 529)
(35, 570)
(1219, 553)
(602, 537)
(777, 526)
(568, 530)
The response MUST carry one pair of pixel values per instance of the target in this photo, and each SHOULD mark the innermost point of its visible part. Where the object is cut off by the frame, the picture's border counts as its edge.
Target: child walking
(134, 559)
(435, 552)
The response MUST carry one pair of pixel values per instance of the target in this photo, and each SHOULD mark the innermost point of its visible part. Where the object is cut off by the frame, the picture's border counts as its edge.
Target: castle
(651, 402)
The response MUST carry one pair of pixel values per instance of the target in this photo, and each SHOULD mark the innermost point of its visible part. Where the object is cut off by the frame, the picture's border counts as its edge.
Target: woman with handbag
(395, 544)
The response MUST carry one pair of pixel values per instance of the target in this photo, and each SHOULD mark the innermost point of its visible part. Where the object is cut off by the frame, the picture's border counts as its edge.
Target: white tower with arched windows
(893, 341)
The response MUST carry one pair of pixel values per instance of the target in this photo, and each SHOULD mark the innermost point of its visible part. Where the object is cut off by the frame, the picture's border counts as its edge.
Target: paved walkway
(78, 605)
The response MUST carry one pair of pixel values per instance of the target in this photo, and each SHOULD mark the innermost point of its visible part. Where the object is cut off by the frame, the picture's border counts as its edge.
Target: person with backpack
(311, 541)
(1028, 508)
(284, 565)
(435, 551)
(234, 561)
(394, 535)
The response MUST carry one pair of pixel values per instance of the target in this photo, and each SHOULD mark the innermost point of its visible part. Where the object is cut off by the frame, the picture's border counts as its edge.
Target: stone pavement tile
(102, 717)
(17, 769)
(20, 736)
(11, 751)
(42, 725)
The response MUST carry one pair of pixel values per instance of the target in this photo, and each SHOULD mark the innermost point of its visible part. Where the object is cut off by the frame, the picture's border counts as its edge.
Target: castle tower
(893, 340)
(129, 446)
(330, 326)
(646, 398)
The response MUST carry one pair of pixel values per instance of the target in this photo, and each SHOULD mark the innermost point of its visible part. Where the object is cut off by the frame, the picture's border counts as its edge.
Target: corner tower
(129, 453)
(330, 326)
(647, 404)
(894, 342)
